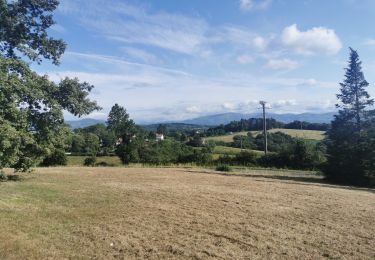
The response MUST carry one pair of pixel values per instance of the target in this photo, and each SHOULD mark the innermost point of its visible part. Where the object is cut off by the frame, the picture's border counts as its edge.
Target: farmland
(304, 134)
(108, 213)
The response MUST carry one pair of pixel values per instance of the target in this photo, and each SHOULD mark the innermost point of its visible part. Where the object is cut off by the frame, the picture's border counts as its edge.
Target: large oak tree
(31, 106)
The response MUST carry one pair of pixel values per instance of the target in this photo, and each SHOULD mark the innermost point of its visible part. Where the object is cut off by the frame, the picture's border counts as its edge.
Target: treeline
(256, 124)
(297, 154)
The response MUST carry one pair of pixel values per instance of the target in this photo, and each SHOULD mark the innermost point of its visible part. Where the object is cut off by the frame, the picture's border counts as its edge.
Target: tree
(126, 132)
(162, 129)
(120, 123)
(31, 118)
(354, 97)
(24, 25)
(348, 151)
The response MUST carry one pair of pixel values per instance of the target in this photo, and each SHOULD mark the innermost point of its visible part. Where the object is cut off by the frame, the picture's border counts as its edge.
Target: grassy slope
(107, 213)
(305, 134)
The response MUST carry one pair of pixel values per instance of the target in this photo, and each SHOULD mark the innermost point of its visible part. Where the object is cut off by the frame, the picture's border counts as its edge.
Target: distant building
(119, 141)
(159, 137)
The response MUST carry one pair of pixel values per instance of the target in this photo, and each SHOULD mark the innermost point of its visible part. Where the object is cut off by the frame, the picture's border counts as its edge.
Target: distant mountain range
(225, 118)
(81, 123)
(217, 119)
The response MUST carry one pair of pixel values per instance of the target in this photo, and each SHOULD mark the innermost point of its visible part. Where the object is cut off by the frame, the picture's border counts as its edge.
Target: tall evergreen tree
(353, 97)
(349, 157)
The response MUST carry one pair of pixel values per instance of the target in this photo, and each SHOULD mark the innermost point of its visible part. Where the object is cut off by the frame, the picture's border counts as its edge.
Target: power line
(263, 104)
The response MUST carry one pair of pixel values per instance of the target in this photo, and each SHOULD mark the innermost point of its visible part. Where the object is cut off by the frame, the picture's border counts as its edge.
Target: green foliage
(246, 158)
(300, 154)
(245, 142)
(119, 122)
(196, 141)
(57, 158)
(223, 168)
(31, 118)
(276, 141)
(252, 124)
(350, 142)
(24, 26)
(92, 144)
(162, 129)
(90, 161)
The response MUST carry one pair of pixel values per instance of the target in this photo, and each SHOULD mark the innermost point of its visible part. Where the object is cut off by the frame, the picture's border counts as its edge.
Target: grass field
(127, 213)
(305, 134)
(225, 150)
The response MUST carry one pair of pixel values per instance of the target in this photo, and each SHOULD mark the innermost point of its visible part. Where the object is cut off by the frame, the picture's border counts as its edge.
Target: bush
(57, 158)
(246, 158)
(104, 164)
(3, 177)
(225, 159)
(223, 168)
(90, 161)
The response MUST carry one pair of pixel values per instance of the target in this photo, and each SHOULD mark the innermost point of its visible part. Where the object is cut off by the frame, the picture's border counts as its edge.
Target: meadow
(304, 134)
(127, 213)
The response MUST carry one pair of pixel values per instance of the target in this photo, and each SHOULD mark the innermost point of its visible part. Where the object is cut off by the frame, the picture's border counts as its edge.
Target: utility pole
(263, 104)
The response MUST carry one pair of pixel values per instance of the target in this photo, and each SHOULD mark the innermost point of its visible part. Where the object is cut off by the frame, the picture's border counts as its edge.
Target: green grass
(304, 134)
(78, 160)
(231, 150)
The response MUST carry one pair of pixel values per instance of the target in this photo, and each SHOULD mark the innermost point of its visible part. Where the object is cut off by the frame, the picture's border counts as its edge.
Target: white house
(159, 137)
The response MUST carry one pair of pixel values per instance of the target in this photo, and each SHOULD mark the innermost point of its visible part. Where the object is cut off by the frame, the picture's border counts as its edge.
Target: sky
(169, 60)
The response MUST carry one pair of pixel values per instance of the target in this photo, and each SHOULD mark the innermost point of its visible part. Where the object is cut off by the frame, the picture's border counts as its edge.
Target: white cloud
(370, 42)
(260, 43)
(229, 106)
(193, 110)
(140, 55)
(282, 64)
(283, 103)
(245, 59)
(132, 24)
(315, 40)
(247, 5)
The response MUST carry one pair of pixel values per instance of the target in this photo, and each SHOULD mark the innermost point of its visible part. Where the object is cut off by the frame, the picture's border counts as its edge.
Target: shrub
(104, 164)
(90, 161)
(246, 158)
(58, 157)
(225, 159)
(223, 168)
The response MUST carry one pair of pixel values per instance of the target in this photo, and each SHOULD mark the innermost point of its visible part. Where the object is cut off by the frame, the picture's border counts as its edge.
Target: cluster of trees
(276, 141)
(306, 126)
(299, 154)
(252, 124)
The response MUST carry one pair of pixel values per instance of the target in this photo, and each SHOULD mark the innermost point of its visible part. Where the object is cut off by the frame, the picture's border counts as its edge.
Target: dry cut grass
(125, 213)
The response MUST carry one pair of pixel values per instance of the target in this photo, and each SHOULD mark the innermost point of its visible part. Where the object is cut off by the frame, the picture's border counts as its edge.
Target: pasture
(304, 134)
(127, 213)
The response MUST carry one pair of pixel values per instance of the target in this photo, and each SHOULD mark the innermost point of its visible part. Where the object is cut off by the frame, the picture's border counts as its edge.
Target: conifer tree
(349, 153)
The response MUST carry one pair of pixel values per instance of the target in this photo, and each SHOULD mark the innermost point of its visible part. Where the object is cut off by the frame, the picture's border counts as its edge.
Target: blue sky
(173, 60)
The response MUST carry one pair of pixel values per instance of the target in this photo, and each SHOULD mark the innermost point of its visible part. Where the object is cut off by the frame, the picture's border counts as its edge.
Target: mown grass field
(127, 213)
(305, 134)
